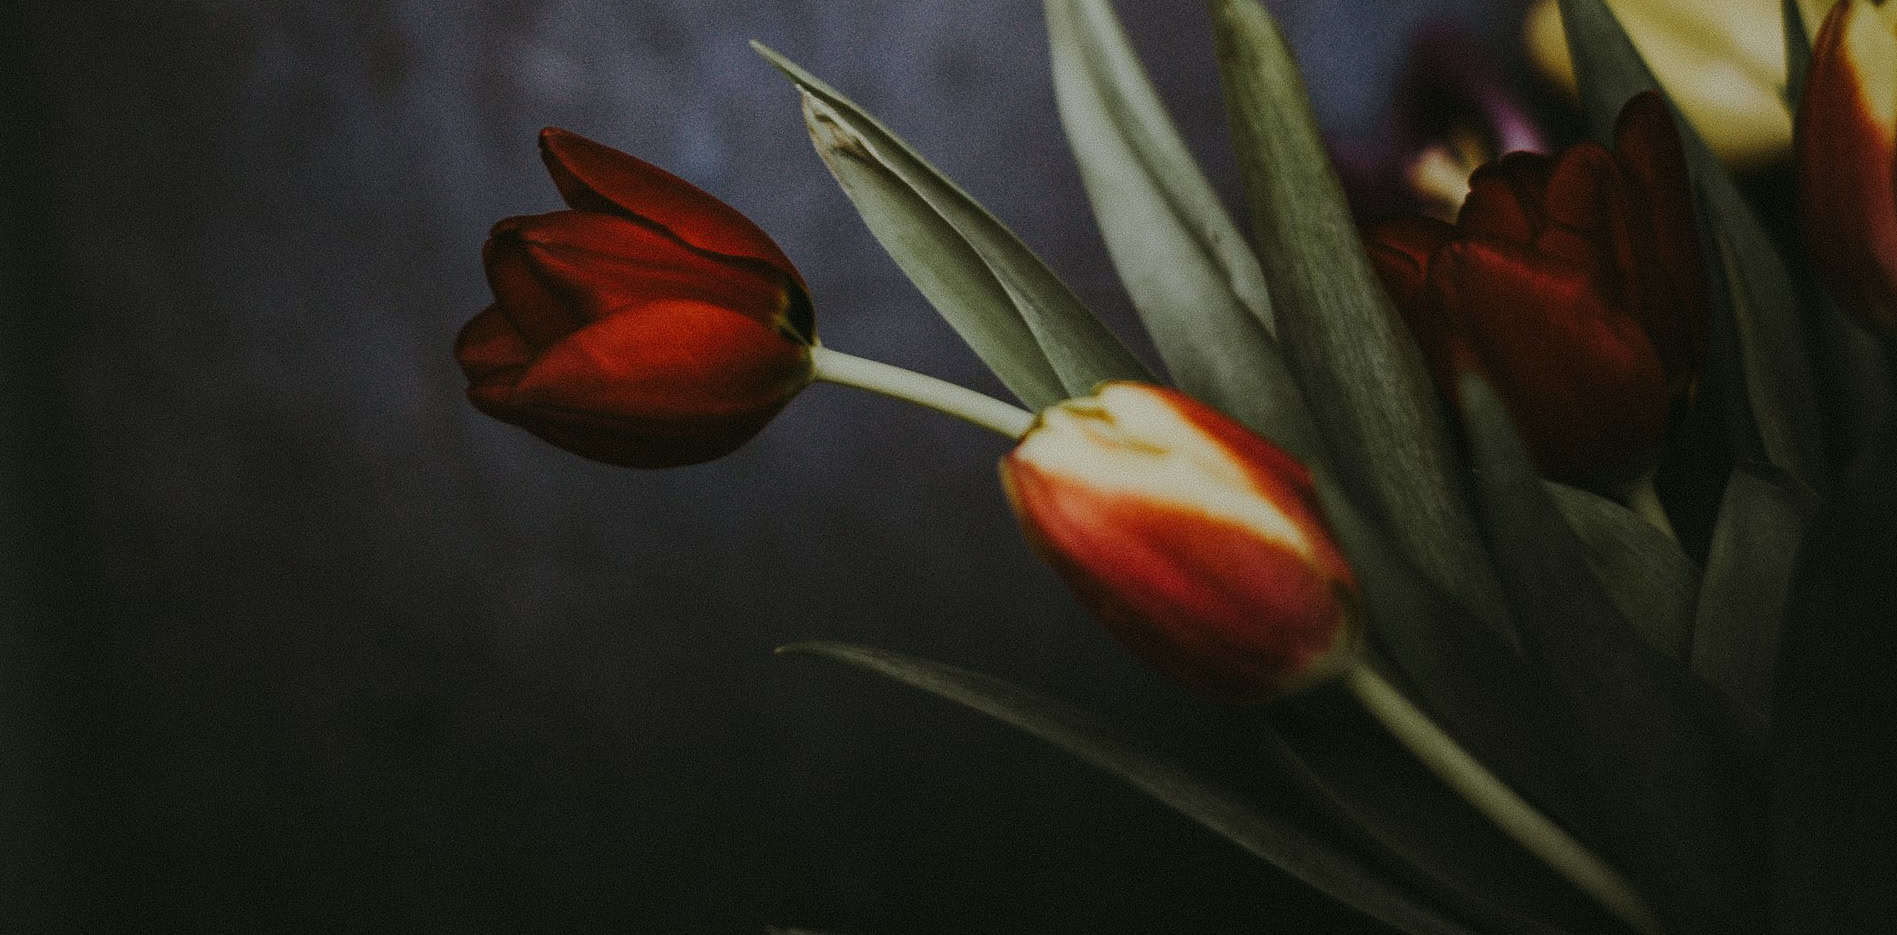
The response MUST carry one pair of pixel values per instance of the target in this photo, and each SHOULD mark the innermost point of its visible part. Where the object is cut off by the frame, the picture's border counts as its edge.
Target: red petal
(1275, 475)
(1673, 293)
(1505, 198)
(1400, 249)
(593, 177)
(1209, 604)
(491, 350)
(541, 316)
(1846, 157)
(590, 265)
(1580, 377)
(670, 362)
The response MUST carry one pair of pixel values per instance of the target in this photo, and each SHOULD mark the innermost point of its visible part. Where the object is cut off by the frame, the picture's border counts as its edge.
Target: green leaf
(1326, 743)
(1773, 355)
(1195, 282)
(1797, 53)
(1834, 718)
(1361, 372)
(1316, 862)
(1650, 580)
(1762, 519)
(1676, 772)
(903, 198)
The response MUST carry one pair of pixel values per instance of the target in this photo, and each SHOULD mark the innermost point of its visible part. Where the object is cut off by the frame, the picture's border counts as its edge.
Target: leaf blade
(1678, 773)
(1361, 373)
(1762, 520)
(1081, 350)
(1309, 859)
(1196, 284)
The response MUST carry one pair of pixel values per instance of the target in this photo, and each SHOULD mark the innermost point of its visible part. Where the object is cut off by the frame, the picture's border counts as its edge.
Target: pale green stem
(942, 396)
(1645, 502)
(1463, 773)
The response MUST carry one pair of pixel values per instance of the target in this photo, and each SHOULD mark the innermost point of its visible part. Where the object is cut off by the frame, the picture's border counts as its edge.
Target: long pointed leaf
(1314, 861)
(1774, 354)
(1361, 372)
(1748, 574)
(1082, 351)
(1326, 743)
(1673, 768)
(1650, 580)
(1474, 685)
(1797, 53)
(1195, 282)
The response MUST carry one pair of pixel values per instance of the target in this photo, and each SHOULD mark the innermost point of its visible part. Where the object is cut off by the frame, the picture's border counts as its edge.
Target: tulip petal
(1778, 396)
(1847, 157)
(1581, 378)
(491, 351)
(671, 359)
(563, 270)
(1505, 198)
(1401, 249)
(672, 382)
(594, 177)
(1673, 305)
(520, 292)
(1236, 617)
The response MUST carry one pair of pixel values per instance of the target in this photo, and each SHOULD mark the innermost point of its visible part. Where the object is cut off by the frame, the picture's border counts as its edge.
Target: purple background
(294, 639)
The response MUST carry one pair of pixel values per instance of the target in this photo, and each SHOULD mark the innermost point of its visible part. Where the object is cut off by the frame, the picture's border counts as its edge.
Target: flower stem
(959, 401)
(1463, 773)
(1645, 502)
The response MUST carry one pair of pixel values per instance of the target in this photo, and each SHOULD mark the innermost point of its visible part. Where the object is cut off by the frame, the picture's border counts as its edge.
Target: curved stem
(959, 401)
(1463, 773)
(1645, 502)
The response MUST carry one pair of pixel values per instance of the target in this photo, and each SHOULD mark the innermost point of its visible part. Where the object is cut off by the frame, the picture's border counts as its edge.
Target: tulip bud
(1200, 545)
(1573, 283)
(1847, 161)
(651, 325)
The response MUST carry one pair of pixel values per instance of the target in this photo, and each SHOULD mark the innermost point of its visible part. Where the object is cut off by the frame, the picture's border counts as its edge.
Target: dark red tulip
(1200, 545)
(1846, 143)
(652, 325)
(1573, 283)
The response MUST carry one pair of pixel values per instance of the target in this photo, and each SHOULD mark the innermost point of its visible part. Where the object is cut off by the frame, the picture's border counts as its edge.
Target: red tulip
(1846, 141)
(651, 325)
(1199, 544)
(1573, 283)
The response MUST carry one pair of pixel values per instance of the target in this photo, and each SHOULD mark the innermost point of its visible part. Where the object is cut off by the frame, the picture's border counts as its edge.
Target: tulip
(1573, 283)
(1722, 62)
(651, 325)
(1847, 161)
(1199, 544)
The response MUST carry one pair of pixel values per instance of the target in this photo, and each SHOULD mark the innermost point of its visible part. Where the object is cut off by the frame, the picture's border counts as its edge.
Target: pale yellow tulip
(1722, 61)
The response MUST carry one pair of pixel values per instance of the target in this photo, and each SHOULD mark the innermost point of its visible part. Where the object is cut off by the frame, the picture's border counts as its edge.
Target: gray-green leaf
(903, 197)
(1195, 282)
(1650, 580)
(1361, 372)
(1310, 859)
(1749, 566)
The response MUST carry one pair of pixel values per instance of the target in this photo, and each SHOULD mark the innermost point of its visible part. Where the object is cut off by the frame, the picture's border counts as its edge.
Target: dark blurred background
(295, 640)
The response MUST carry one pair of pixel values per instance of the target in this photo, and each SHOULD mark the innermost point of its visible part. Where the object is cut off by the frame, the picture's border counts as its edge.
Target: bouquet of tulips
(1588, 497)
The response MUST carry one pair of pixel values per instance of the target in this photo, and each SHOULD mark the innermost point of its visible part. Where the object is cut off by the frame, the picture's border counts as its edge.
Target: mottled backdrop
(294, 640)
